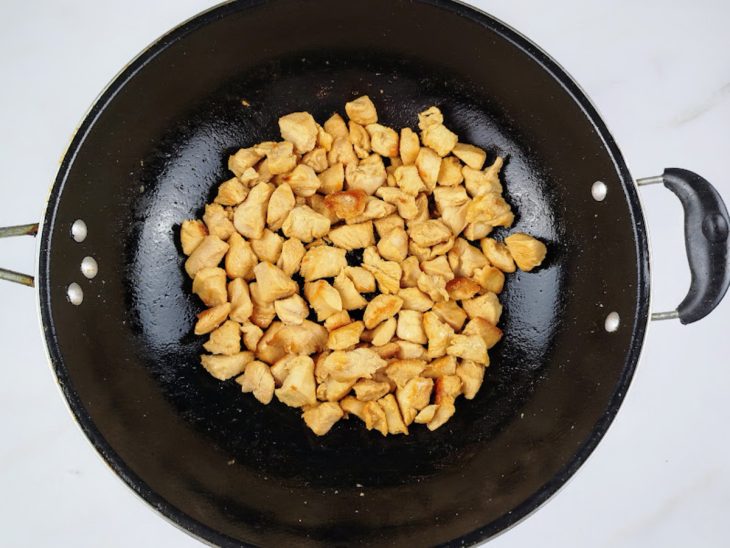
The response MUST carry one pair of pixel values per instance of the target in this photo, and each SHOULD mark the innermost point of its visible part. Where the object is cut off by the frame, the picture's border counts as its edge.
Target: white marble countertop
(659, 73)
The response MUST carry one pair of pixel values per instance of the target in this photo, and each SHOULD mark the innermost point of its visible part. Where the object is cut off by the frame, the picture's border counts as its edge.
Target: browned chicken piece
(446, 388)
(280, 205)
(345, 337)
(348, 365)
(486, 306)
(251, 335)
(408, 180)
(324, 139)
(455, 218)
(257, 378)
(486, 330)
(411, 272)
(370, 390)
(268, 350)
(392, 415)
(394, 245)
(439, 139)
(362, 110)
(369, 175)
(317, 160)
(360, 140)
(444, 412)
(332, 179)
(302, 180)
(280, 158)
(240, 299)
(472, 376)
(250, 177)
(211, 318)
(347, 204)
(429, 167)
(300, 129)
(291, 310)
(383, 140)
(527, 252)
(415, 299)
(479, 183)
(438, 333)
(273, 283)
(490, 278)
(406, 203)
(305, 224)
(490, 208)
(380, 309)
(450, 174)
(426, 414)
(350, 296)
(210, 285)
(429, 233)
(363, 280)
(477, 231)
(338, 319)
(240, 258)
(429, 117)
(226, 339)
(307, 338)
(438, 267)
(250, 217)
(374, 209)
(342, 152)
(386, 224)
(464, 258)
(388, 350)
(462, 288)
(263, 172)
(192, 233)
(413, 397)
(292, 253)
(322, 262)
(409, 146)
(242, 160)
(333, 390)
(336, 126)
(207, 254)
(225, 367)
(469, 347)
(401, 371)
(387, 273)
(298, 389)
(433, 286)
(472, 156)
(322, 417)
(446, 196)
(408, 350)
(351, 405)
(263, 311)
(268, 247)
(317, 203)
(231, 192)
(410, 327)
(323, 298)
(374, 417)
(357, 236)
(445, 365)
(451, 313)
(384, 332)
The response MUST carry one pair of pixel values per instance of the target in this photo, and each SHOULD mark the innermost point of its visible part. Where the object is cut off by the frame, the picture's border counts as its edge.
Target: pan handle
(21, 230)
(706, 230)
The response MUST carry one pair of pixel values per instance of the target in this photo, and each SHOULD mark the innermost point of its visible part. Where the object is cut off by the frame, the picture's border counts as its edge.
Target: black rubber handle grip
(706, 230)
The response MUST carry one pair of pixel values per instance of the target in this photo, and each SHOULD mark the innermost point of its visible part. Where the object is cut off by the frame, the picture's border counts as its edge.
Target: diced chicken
(478, 183)
(307, 338)
(446, 388)
(321, 418)
(469, 347)
(207, 254)
(336, 126)
(490, 278)
(429, 117)
(240, 299)
(332, 179)
(273, 283)
(439, 138)
(342, 152)
(292, 310)
(280, 158)
(406, 203)
(226, 339)
(280, 204)
(462, 288)
(210, 285)
(408, 180)
(392, 415)
(384, 332)
(433, 286)
(345, 337)
(224, 367)
(250, 217)
(408, 350)
(292, 252)
(426, 414)
(357, 236)
(370, 390)
(464, 258)
(472, 376)
(323, 298)
(394, 245)
(251, 335)
(498, 254)
(332, 390)
(380, 309)
(231, 193)
(302, 180)
(299, 388)
(374, 209)
(374, 417)
(389, 350)
(363, 280)
(403, 370)
(450, 174)
(411, 272)
(477, 230)
(360, 139)
(305, 224)
(211, 318)
(429, 166)
(415, 299)
(300, 129)
(410, 326)
(242, 160)
(413, 397)
(527, 252)
(383, 140)
(347, 204)
(446, 197)
(472, 156)
(257, 378)
(192, 233)
(438, 267)
(387, 273)
(263, 311)
(351, 298)
(429, 233)
(359, 363)
(438, 334)
(451, 313)
(337, 320)
(445, 365)
(444, 412)
(455, 218)
(351, 405)
(362, 110)
(486, 330)
(486, 306)
(368, 176)
(322, 262)
(386, 224)
(268, 350)
(317, 160)
(268, 247)
(240, 258)
(249, 177)
(409, 146)
(491, 209)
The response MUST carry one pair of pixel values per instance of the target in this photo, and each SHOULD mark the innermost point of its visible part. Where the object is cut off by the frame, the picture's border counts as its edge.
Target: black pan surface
(231, 471)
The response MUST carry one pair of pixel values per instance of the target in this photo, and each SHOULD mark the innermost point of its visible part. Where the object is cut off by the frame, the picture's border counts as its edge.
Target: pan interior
(151, 154)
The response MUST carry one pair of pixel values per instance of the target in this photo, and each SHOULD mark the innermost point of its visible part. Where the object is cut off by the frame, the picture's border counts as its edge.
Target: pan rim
(198, 529)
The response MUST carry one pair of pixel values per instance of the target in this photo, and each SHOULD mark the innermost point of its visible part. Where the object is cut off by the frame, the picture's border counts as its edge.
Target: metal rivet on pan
(79, 231)
(75, 294)
(599, 191)
(89, 267)
(612, 322)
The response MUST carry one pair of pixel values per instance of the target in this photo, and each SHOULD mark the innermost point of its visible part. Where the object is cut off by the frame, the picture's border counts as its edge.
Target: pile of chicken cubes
(348, 269)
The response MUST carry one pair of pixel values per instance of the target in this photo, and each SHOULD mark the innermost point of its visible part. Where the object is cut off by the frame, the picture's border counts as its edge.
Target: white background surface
(660, 75)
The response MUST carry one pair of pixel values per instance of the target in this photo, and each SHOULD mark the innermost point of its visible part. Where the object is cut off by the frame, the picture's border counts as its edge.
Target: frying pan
(231, 471)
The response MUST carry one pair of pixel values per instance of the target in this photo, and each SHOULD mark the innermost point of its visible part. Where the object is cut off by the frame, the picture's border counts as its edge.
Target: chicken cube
(240, 299)
(281, 158)
(462, 288)
(268, 350)
(411, 272)
(450, 173)
(384, 332)
(273, 283)
(451, 313)
(478, 183)
(347, 204)
(433, 286)
(438, 267)
(240, 258)
(360, 363)
(300, 129)
(357, 236)
(322, 262)
(413, 397)
(429, 167)
(192, 233)
(323, 298)
(408, 350)
(469, 347)
(392, 415)
(383, 140)
(363, 280)
(415, 299)
(380, 309)
(305, 224)
(291, 310)
(387, 273)
(429, 233)
(211, 318)
(490, 278)
(342, 152)
(332, 179)
(336, 126)
(444, 412)
(322, 417)
(405, 203)
(251, 335)
(302, 180)
(360, 140)
(210, 285)
(362, 110)
(332, 390)
(445, 365)
(257, 378)
(403, 370)
(472, 376)
(410, 326)
(250, 217)
(438, 334)
(471, 155)
(350, 296)
(226, 339)
(224, 367)
(408, 180)
(486, 330)
(231, 193)
(307, 338)
(477, 230)
(426, 414)
(268, 247)
(374, 417)
(298, 389)
(351, 405)
(317, 160)
(409, 146)
(242, 160)
(207, 254)
(486, 306)
(374, 209)
(446, 388)
(337, 320)
(439, 139)
(429, 117)
(446, 196)
(263, 311)
(498, 254)
(280, 204)
(345, 337)
(394, 245)
(490, 208)
(527, 252)
(370, 390)
(386, 224)
(368, 176)
(465, 258)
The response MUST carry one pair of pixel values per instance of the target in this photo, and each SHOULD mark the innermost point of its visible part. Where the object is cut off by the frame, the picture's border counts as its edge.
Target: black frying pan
(231, 471)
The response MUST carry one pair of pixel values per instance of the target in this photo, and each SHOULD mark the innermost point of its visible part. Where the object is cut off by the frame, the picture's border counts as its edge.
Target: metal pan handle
(22, 230)
(706, 230)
